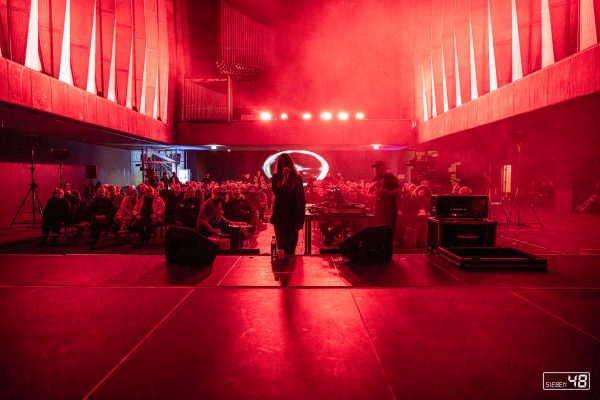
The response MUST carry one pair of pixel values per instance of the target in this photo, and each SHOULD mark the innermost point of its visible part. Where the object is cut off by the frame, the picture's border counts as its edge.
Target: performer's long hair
(285, 160)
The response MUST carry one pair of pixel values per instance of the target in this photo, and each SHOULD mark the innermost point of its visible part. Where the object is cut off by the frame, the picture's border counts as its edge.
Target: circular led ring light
(273, 157)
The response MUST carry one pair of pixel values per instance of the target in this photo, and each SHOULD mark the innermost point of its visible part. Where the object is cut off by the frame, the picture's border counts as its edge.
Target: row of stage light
(325, 116)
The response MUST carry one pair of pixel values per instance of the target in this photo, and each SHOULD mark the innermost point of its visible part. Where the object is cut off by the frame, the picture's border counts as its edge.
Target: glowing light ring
(273, 157)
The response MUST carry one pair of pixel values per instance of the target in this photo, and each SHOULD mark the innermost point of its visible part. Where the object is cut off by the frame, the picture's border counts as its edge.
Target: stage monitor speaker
(371, 245)
(91, 172)
(187, 247)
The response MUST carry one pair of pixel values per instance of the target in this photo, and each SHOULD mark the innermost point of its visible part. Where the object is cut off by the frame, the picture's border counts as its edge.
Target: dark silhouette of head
(286, 161)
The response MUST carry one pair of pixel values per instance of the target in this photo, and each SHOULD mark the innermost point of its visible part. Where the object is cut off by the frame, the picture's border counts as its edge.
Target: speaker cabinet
(187, 247)
(371, 245)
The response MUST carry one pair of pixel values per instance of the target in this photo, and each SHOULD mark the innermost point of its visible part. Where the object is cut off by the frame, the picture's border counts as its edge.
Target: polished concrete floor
(119, 325)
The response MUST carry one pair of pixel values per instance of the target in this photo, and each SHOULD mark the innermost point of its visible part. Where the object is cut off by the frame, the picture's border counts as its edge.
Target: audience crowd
(221, 208)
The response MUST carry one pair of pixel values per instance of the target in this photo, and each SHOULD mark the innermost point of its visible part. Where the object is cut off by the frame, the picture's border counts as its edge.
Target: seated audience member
(211, 220)
(115, 196)
(125, 212)
(174, 199)
(187, 210)
(74, 200)
(101, 211)
(237, 208)
(254, 199)
(148, 213)
(56, 214)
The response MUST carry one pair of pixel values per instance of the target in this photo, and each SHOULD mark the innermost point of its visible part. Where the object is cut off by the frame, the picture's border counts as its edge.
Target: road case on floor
(491, 257)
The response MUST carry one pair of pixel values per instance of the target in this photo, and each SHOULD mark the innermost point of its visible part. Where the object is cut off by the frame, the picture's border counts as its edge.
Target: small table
(309, 217)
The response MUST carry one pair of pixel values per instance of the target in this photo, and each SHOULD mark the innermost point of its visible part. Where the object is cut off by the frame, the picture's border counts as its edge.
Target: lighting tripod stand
(32, 191)
(516, 203)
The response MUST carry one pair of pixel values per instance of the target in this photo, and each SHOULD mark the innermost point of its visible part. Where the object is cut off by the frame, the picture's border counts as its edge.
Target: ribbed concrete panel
(525, 37)
(568, 79)
(105, 25)
(4, 29)
(19, 84)
(139, 51)
(597, 18)
(479, 24)
(51, 34)
(535, 58)
(163, 60)
(500, 12)
(123, 47)
(82, 15)
(3, 80)
(560, 17)
(151, 20)
(18, 24)
(587, 33)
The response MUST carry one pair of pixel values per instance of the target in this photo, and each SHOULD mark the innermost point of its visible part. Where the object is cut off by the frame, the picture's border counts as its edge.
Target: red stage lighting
(283, 116)
(306, 116)
(375, 147)
(343, 115)
(326, 116)
(266, 116)
(360, 115)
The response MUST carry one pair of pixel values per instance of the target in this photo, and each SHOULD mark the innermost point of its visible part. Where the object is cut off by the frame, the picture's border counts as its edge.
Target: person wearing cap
(211, 220)
(385, 189)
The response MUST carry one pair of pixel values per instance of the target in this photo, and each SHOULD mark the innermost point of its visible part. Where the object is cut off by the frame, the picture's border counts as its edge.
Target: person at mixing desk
(385, 188)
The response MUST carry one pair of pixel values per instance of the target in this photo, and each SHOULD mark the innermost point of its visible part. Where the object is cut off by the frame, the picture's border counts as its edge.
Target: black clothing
(287, 239)
(164, 194)
(56, 213)
(288, 211)
(144, 226)
(147, 209)
(290, 202)
(386, 200)
(165, 180)
(172, 203)
(74, 206)
(101, 206)
(187, 212)
(98, 207)
(238, 210)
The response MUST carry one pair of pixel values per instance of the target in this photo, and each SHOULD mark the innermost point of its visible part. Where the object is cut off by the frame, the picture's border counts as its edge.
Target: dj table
(344, 216)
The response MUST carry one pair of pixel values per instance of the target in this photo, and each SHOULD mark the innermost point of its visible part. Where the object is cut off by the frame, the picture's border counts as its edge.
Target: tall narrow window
(65, 73)
(587, 25)
(32, 54)
(517, 66)
(491, 52)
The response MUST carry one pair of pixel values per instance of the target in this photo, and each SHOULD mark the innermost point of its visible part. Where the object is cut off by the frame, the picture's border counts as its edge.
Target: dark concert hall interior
(313, 199)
